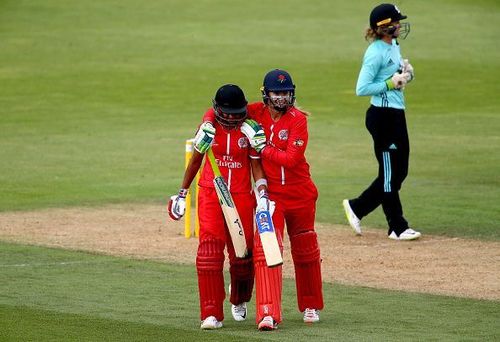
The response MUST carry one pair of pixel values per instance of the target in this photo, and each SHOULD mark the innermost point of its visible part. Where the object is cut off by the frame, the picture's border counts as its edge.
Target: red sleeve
(255, 110)
(296, 146)
(209, 115)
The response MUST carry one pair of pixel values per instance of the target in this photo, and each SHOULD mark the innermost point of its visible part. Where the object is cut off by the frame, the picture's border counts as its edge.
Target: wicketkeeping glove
(177, 205)
(254, 133)
(204, 137)
(408, 68)
(397, 81)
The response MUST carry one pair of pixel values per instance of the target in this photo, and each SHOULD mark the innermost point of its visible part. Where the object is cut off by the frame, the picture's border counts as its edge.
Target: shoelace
(240, 309)
(310, 312)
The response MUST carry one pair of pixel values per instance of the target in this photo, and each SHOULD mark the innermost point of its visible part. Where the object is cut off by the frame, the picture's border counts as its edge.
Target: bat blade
(232, 217)
(268, 237)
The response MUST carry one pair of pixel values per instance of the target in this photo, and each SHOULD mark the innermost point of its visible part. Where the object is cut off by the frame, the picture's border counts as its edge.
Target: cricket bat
(267, 234)
(231, 215)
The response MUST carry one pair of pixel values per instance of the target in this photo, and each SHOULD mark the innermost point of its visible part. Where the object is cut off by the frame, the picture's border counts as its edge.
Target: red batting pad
(306, 258)
(268, 283)
(209, 265)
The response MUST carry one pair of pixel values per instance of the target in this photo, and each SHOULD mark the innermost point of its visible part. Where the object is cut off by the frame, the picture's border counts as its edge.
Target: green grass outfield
(97, 98)
(51, 294)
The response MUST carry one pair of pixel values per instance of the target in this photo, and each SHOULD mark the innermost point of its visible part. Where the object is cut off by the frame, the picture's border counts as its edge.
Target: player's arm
(295, 150)
(263, 202)
(372, 62)
(297, 142)
(202, 142)
(177, 203)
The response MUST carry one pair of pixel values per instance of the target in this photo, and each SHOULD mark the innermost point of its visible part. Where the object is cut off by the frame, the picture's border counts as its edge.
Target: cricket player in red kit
(291, 187)
(220, 131)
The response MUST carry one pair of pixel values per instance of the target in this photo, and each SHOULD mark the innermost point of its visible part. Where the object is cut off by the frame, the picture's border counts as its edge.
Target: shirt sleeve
(366, 86)
(295, 149)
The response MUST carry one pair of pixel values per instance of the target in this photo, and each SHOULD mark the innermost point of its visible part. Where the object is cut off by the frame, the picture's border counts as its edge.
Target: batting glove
(204, 137)
(408, 68)
(177, 205)
(255, 134)
(263, 202)
(397, 81)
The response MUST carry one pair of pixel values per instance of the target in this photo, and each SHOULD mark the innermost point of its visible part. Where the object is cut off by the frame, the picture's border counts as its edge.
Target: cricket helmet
(382, 18)
(277, 81)
(230, 106)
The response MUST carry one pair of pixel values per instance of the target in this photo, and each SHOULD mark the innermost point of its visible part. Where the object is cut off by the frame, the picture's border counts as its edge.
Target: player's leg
(268, 280)
(371, 197)
(210, 260)
(396, 156)
(242, 270)
(306, 259)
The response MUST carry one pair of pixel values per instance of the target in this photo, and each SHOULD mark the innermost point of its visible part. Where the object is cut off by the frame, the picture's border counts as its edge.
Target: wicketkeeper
(220, 130)
(384, 76)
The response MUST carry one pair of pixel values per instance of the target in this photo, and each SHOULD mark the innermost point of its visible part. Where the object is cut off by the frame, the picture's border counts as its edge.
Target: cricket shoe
(354, 221)
(210, 323)
(239, 311)
(408, 234)
(267, 324)
(311, 315)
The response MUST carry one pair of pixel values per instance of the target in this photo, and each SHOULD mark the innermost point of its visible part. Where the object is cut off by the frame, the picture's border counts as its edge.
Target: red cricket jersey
(232, 152)
(283, 158)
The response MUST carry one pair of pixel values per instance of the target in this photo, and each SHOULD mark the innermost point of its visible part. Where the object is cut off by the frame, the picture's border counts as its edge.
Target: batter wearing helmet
(290, 186)
(383, 76)
(237, 160)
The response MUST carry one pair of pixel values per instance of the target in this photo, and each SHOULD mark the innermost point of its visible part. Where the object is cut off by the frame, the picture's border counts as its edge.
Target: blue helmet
(276, 81)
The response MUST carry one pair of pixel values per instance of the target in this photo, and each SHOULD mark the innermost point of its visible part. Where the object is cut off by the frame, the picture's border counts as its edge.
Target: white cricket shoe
(210, 323)
(239, 311)
(408, 234)
(267, 323)
(354, 221)
(311, 315)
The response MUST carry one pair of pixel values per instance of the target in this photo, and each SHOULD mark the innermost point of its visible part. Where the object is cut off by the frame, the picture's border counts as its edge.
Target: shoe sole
(267, 328)
(404, 239)
(311, 321)
(211, 327)
(347, 211)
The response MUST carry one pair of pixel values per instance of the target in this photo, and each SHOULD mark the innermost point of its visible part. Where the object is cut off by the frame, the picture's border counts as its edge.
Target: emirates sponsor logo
(228, 161)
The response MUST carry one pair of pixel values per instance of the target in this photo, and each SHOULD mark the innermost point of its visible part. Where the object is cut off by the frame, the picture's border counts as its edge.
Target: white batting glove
(204, 137)
(263, 202)
(408, 68)
(177, 205)
(255, 134)
(397, 81)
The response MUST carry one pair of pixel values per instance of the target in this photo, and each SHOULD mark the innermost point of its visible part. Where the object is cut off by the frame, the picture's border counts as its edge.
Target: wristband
(183, 193)
(389, 84)
(260, 181)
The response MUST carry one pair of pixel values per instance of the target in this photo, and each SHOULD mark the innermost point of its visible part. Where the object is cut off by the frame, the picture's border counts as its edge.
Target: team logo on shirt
(243, 142)
(299, 142)
(283, 134)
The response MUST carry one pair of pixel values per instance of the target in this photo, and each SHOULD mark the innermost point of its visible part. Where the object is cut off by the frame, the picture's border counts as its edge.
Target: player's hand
(408, 68)
(397, 81)
(177, 205)
(255, 134)
(204, 137)
(263, 203)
